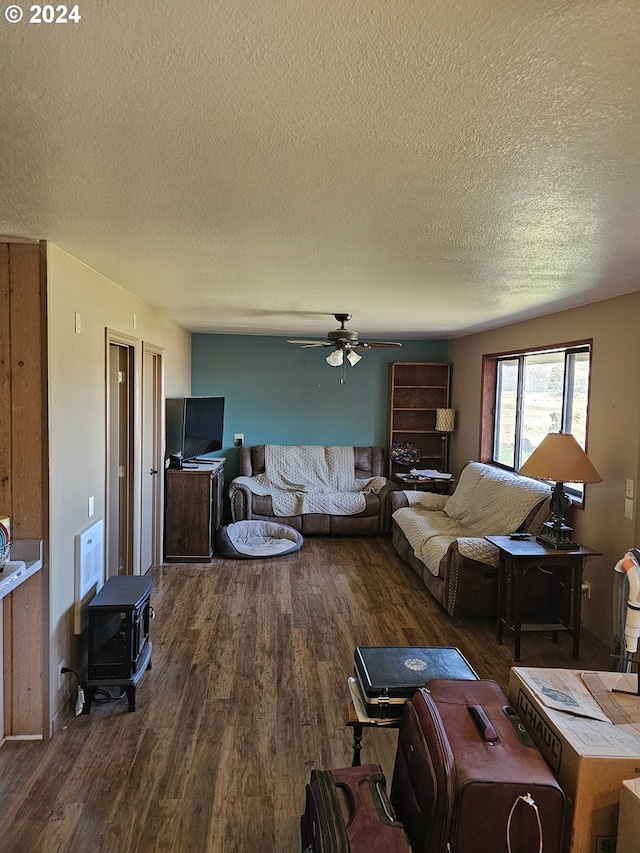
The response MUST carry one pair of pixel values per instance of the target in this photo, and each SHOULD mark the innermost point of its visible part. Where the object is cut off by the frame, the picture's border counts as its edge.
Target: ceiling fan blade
(311, 343)
(371, 344)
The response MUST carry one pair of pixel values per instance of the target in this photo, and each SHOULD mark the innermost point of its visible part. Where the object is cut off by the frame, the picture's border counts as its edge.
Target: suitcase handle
(483, 723)
(528, 799)
(378, 792)
(516, 722)
(351, 802)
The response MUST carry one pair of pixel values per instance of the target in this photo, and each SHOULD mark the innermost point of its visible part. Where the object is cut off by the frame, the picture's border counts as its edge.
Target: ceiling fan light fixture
(343, 342)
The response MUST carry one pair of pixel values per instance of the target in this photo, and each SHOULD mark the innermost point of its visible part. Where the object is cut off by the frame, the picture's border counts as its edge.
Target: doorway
(152, 457)
(120, 444)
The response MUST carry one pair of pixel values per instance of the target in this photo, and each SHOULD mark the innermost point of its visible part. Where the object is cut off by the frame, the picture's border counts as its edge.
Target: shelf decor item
(404, 453)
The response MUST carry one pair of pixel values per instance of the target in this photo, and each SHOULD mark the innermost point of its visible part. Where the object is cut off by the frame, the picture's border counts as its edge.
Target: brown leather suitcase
(467, 777)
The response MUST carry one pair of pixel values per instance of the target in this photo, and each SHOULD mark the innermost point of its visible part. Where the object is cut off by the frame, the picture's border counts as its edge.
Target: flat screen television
(194, 426)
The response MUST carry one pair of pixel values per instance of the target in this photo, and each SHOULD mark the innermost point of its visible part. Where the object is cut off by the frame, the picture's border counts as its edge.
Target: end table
(426, 484)
(516, 557)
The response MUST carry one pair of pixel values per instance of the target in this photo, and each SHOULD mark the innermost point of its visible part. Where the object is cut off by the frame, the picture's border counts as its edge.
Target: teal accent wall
(278, 393)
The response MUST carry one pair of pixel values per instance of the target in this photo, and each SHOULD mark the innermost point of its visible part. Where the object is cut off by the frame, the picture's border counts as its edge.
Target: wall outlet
(62, 665)
(238, 439)
(628, 508)
(586, 589)
(629, 489)
(77, 319)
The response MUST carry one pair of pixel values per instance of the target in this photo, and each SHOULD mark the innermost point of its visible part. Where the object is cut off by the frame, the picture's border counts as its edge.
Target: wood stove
(119, 644)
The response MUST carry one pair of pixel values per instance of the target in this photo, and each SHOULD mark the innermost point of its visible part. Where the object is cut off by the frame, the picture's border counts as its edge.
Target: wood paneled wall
(23, 479)
(22, 388)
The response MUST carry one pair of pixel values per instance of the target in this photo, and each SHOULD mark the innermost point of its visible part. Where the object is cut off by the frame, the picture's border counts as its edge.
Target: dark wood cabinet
(193, 511)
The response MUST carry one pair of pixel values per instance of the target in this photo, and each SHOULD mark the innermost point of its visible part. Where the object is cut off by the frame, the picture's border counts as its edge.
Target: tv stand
(194, 498)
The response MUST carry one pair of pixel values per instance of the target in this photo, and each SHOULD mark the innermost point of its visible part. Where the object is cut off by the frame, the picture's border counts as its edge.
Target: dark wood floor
(246, 695)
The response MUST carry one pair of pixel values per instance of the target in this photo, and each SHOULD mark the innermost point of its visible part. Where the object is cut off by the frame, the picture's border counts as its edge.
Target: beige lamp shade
(445, 419)
(559, 457)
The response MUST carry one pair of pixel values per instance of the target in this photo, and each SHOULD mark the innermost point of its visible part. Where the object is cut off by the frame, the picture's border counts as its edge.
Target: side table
(516, 557)
(358, 720)
(426, 484)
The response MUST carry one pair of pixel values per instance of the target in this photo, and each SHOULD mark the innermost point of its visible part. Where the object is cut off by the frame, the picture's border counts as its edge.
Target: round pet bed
(248, 540)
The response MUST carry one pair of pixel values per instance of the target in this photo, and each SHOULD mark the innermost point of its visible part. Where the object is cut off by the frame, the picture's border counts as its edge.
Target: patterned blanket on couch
(311, 478)
(487, 501)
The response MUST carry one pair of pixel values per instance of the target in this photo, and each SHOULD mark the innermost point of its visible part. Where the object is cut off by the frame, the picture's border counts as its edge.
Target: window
(534, 393)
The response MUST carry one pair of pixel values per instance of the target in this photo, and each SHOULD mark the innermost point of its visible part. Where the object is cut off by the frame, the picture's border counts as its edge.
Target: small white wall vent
(89, 571)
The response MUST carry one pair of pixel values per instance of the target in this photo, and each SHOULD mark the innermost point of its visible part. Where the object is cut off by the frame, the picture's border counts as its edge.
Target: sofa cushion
(426, 500)
(262, 505)
(458, 504)
(490, 501)
(428, 533)
(368, 461)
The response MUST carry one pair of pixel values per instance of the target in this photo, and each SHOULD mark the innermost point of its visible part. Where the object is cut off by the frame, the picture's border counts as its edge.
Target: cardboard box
(589, 754)
(629, 817)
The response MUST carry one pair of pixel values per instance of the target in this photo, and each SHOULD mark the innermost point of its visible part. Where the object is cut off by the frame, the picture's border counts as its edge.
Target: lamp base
(557, 535)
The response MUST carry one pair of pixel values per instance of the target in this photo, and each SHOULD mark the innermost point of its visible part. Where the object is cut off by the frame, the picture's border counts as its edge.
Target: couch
(314, 489)
(442, 537)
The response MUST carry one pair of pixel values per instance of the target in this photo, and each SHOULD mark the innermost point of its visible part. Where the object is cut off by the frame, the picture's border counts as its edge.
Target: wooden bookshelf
(416, 390)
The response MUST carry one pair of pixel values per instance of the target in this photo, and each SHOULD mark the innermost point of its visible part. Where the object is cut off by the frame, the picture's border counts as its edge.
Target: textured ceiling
(248, 167)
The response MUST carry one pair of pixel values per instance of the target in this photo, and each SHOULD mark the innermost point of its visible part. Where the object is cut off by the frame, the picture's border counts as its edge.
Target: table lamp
(559, 458)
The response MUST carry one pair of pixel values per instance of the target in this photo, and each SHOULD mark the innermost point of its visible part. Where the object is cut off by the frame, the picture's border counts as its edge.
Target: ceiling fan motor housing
(344, 339)
(343, 336)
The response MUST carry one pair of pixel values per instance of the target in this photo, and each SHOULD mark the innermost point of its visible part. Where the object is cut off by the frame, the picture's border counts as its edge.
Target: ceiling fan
(344, 342)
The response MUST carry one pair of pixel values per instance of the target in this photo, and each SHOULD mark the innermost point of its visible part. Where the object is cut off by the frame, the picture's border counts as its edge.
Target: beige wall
(614, 426)
(77, 414)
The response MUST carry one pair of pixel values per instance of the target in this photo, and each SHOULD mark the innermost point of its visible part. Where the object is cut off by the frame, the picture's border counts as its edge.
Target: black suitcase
(468, 778)
(348, 811)
(387, 676)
